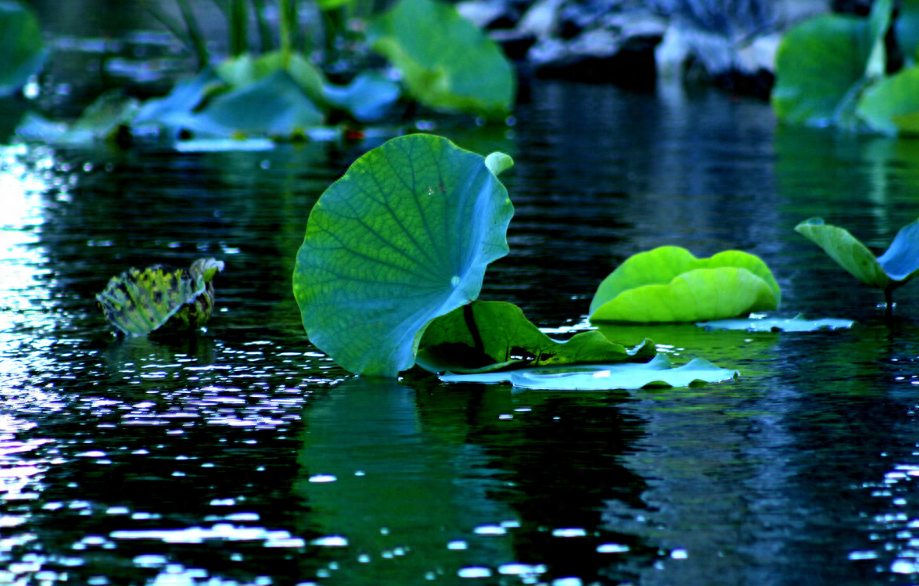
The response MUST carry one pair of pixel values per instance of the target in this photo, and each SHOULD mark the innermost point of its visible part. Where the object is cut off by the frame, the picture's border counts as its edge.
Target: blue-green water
(245, 456)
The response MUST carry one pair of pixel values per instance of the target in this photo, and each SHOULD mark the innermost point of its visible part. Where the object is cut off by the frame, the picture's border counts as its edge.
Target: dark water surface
(245, 456)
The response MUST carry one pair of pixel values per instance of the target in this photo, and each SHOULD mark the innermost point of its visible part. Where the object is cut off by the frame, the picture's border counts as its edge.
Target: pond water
(245, 456)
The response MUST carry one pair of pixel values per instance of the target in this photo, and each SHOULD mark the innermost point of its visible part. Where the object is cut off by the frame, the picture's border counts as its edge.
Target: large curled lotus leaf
(820, 65)
(20, 44)
(891, 106)
(846, 250)
(669, 284)
(402, 238)
(485, 336)
(447, 63)
(140, 301)
(659, 372)
(273, 106)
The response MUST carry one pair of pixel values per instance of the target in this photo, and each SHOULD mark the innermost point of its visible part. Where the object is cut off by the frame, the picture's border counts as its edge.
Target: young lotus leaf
(20, 44)
(485, 336)
(894, 268)
(446, 62)
(659, 372)
(778, 324)
(272, 106)
(402, 238)
(138, 302)
(669, 284)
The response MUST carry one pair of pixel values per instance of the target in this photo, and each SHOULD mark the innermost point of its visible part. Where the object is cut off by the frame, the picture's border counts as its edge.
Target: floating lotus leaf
(891, 106)
(101, 121)
(402, 238)
(445, 60)
(669, 284)
(20, 44)
(778, 324)
(484, 336)
(160, 298)
(659, 372)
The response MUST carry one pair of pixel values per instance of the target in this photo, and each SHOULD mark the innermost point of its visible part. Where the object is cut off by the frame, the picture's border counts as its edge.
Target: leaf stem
(473, 328)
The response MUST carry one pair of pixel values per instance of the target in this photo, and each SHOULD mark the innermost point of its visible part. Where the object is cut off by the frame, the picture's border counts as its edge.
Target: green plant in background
(893, 269)
(832, 71)
(669, 284)
(20, 44)
(161, 298)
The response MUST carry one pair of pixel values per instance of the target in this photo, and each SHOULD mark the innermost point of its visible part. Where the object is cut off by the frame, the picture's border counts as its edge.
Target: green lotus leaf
(484, 336)
(778, 324)
(822, 64)
(273, 106)
(846, 250)
(20, 44)
(172, 110)
(906, 29)
(446, 62)
(659, 372)
(246, 69)
(402, 238)
(891, 106)
(160, 298)
(367, 98)
(100, 121)
(669, 284)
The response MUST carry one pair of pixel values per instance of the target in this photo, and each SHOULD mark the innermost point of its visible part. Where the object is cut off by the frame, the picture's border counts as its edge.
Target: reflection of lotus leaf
(160, 298)
(403, 237)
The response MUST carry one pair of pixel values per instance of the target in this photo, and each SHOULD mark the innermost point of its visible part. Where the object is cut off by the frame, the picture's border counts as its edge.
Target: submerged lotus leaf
(20, 44)
(778, 324)
(484, 336)
(140, 301)
(273, 106)
(446, 61)
(402, 238)
(669, 284)
(659, 372)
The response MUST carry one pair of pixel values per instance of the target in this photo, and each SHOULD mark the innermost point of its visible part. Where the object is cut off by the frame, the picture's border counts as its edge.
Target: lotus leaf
(484, 336)
(402, 238)
(892, 105)
(172, 111)
(158, 298)
(274, 106)
(894, 268)
(100, 121)
(20, 44)
(659, 372)
(446, 62)
(669, 284)
(778, 324)
(366, 98)
(246, 69)
(823, 63)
